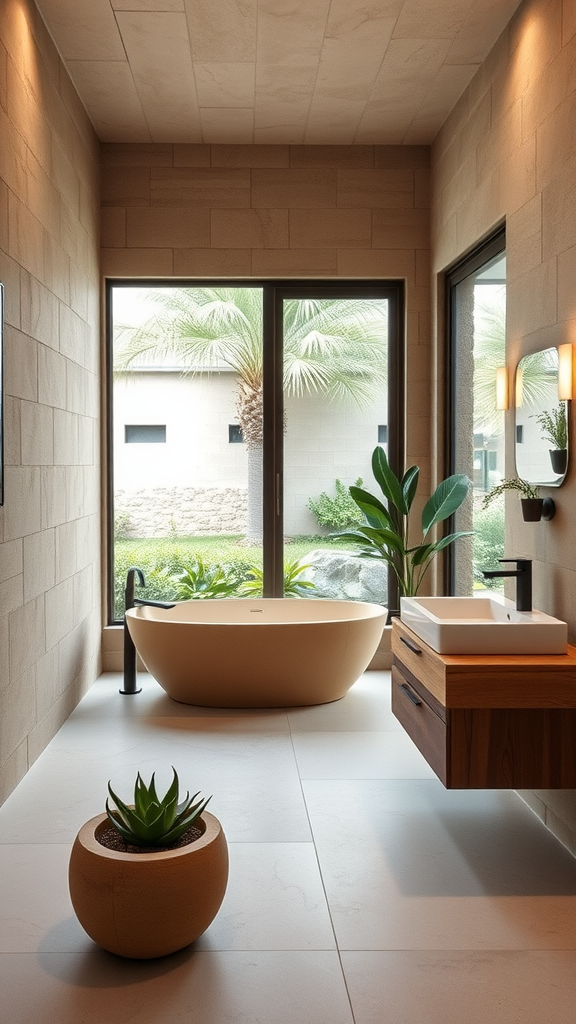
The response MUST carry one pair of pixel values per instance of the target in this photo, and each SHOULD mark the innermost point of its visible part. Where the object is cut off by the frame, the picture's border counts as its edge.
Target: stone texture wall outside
(185, 511)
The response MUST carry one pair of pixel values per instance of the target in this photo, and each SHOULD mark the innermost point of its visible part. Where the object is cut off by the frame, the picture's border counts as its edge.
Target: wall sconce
(565, 372)
(501, 388)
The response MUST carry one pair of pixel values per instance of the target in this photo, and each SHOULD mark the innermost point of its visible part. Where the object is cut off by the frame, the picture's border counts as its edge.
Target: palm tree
(332, 347)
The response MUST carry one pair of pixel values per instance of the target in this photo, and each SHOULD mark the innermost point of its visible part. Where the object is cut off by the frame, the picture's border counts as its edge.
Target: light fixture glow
(501, 388)
(519, 397)
(565, 370)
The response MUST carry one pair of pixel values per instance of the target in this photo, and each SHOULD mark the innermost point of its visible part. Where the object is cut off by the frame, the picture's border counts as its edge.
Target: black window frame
(274, 291)
(484, 253)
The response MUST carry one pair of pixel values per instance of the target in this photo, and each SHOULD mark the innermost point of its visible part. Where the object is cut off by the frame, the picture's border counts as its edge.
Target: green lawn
(162, 559)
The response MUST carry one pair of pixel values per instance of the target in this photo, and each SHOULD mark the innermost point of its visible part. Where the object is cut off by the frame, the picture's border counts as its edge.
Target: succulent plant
(153, 821)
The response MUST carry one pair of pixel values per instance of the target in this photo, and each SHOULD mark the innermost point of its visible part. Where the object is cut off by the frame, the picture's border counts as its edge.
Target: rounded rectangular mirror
(541, 420)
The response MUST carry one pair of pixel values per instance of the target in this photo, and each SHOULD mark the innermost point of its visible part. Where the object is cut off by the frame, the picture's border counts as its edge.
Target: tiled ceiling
(273, 71)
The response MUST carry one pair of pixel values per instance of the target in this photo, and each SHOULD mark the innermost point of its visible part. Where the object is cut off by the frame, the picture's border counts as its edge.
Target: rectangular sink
(482, 625)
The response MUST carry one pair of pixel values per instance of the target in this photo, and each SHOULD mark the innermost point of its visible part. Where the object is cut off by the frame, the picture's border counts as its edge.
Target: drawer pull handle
(412, 647)
(411, 696)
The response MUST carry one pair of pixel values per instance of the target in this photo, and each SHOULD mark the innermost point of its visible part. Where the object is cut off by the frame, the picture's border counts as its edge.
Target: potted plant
(386, 531)
(147, 879)
(534, 508)
(555, 431)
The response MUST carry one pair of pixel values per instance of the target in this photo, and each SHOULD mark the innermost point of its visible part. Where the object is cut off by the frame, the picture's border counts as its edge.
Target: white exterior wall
(323, 441)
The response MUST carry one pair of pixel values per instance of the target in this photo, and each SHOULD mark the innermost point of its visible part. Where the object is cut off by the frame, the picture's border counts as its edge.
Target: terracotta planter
(144, 905)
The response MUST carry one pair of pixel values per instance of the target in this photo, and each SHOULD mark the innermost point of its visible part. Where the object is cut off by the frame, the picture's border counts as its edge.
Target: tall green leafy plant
(386, 532)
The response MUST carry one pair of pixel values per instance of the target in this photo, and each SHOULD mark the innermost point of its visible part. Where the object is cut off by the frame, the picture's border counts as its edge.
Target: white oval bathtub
(240, 653)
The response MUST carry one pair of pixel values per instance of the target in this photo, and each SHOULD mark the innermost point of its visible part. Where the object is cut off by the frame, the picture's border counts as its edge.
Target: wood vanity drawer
(425, 728)
(420, 660)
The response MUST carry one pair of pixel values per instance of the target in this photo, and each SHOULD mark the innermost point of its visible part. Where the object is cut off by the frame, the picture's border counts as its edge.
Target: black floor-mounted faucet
(130, 601)
(523, 574)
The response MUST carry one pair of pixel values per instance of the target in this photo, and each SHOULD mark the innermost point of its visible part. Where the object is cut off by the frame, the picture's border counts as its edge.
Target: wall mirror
(541, 420)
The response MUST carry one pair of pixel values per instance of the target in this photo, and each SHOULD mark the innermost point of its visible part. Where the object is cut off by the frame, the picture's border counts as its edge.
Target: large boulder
(342, 576)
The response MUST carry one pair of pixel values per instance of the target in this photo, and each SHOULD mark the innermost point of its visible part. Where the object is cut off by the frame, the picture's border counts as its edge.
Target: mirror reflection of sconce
(501, 388)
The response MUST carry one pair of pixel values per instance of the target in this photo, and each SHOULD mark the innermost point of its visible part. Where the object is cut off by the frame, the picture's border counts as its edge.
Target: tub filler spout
(131, 601)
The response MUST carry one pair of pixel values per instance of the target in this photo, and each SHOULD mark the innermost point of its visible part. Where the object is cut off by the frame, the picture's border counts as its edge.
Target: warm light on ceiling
(565, 371)
(501, 388)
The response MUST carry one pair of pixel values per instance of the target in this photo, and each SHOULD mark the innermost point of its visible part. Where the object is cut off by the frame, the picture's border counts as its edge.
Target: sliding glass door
(239, 415)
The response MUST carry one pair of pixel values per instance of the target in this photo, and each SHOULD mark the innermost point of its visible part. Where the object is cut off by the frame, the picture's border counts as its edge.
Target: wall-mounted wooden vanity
(488, 722)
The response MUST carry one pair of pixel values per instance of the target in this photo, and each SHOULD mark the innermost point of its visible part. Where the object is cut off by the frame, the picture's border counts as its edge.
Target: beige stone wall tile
(167, 227)
(3, 216)
(531, 299)
(331, 156)
(295, 263)
(27, 634)
(137, 262)
(66, 551)
(249, 156)
(227, 188)
(568, 22)
(422, 259)
(566, 284)
(10, 277)
(46, 729)
(212, 262)
(39, 315)
(326, 229)
(477, 219)
(11, 597)
(558, 207)
(20, 365)
(422, 193)
(3, 76)
(125, 186)
(402, 157)
(26, 237)
(113, 227)
(49, 682)
(79, 389)
(524, 235)
(12, 455)
(39, 563)
(59, 612)
(13, 769)
(190, 155)
(37, 437)
(135, 154)
(17, 713)
(393, 263)
(56, 268)
(294, 189)
(400, 229)
(74, 335)
(65, 438)
(375, 188)
(254, 229)
(54, 496)
(11, 560)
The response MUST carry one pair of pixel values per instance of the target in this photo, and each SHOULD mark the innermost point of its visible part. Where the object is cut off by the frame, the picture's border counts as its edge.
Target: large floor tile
(36, 912)
(186, 988)
(359, 755)
(534, 987)
(408, 865)
(274, 900)
(365, 708)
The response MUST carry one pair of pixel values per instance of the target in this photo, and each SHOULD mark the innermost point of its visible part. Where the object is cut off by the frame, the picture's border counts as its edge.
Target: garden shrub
(337, 513)
(488, 541)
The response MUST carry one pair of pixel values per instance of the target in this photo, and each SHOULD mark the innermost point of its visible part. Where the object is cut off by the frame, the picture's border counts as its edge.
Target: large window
(477, 346)
(269, 400)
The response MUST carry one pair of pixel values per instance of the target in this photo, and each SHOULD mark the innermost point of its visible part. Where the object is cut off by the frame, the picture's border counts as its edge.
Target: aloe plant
(153, 821)
(386, 531)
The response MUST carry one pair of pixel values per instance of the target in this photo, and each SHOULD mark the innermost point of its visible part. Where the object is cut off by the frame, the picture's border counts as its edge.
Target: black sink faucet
(523, 574)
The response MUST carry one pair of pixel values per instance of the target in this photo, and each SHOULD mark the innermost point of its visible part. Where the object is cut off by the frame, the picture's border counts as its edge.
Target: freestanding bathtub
(243, 653)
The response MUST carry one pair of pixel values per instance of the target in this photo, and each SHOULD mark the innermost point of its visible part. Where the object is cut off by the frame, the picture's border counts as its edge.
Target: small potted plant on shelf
(147, 879)
(555, 431)
(386, 531)
(534, 508)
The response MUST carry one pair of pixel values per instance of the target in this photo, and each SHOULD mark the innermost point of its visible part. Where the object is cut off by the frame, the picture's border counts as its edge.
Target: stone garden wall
(185, 511)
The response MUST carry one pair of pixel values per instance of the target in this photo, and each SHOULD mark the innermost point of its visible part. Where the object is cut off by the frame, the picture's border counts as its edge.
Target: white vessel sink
(482, 625)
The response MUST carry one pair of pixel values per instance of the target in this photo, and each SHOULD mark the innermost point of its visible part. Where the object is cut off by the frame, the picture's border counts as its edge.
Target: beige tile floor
(360, 892)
